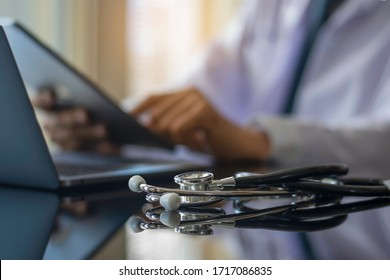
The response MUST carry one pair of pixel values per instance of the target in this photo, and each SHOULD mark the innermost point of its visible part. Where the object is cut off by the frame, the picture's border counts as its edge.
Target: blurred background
(131, 47)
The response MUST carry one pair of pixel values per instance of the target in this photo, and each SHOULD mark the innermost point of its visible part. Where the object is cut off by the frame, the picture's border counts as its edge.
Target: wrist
(231, 142)
(254, 145)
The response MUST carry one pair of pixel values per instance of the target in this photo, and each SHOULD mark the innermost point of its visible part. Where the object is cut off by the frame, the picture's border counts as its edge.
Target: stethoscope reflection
(315, 200)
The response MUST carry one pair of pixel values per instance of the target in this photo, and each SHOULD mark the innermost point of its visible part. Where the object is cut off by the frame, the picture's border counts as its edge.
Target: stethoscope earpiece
(170, 201)
(170, 218)
(135, 183)
(135, 224)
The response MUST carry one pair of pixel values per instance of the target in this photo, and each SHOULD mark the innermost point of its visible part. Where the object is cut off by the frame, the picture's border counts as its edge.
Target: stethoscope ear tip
(135, 224)
(135, 183)
(170, 201)
(170, 218)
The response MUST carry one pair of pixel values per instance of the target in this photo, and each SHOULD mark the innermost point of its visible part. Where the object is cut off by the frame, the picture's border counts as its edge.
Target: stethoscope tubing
(316, 191)
(291, 224)
(234, 193)
(299, 216)
(289, 175)
(344, 190)
(289, 189)
(340, 209)
(241, 216)
(332, 208)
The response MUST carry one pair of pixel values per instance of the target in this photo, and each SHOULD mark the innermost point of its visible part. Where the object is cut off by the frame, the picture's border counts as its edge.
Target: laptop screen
(24, 156)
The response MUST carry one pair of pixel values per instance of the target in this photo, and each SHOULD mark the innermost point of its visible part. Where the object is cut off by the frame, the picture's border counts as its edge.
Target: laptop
(25, 159)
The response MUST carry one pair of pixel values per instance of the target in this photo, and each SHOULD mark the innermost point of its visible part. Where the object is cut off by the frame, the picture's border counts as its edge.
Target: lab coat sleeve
(363, 145)
(361, 141)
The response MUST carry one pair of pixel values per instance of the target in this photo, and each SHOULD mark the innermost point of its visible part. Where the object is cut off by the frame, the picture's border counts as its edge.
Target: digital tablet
(41, 67)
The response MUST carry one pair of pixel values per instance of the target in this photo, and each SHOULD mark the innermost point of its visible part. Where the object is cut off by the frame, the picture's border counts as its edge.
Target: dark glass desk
(38, 224)
(26, 218)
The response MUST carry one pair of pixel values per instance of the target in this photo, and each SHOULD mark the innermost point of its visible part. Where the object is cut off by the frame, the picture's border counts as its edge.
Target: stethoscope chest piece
(194, 181)
(195, 230)
(191, 221)
(199, 181)
(199, 228)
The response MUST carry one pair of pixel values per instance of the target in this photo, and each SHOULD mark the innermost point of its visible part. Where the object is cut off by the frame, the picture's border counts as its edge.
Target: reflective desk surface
(38, 224)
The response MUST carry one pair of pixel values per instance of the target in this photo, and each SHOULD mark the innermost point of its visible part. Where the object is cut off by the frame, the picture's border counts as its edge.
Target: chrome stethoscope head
(183, 221)
(198, 189)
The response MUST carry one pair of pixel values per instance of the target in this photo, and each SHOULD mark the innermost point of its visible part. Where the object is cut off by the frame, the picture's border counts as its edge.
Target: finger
(147, 104)
(162, 123)
(67, 118)
(71, 145)
(66, 139)
(197, 140)
(106, 147)
(64, 136)
(44, 99)
(191, 120)
(167, 105)
(91, 134)
(80, 137)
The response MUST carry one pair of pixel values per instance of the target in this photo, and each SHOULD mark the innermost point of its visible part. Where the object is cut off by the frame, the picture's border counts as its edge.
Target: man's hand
(186, 117)
(71, 128)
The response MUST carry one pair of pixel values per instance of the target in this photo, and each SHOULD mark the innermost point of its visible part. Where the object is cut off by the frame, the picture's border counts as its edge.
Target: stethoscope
(315, 191)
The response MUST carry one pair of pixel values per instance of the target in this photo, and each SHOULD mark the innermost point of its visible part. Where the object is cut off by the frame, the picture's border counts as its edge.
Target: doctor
(340, 112)
(298, 82)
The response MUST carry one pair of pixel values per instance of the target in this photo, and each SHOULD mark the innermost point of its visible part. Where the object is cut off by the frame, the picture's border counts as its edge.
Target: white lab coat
(341, 113)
